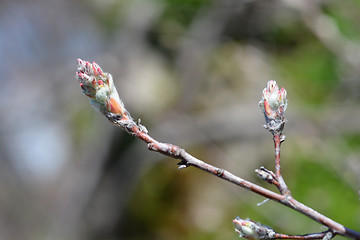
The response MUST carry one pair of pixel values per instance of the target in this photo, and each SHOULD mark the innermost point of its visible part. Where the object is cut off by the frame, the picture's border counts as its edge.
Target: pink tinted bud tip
(273, 101)
(87, 66)
(96, 69)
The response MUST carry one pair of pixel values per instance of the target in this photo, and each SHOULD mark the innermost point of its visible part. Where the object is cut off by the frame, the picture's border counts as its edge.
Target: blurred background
(193, 71)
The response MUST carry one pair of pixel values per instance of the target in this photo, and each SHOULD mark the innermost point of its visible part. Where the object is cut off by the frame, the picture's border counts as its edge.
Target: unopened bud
(265, 174)
(273, 101)
(252, 230)
(99, 86)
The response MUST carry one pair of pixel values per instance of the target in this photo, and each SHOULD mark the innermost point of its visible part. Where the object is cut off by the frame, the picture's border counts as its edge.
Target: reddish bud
(273, 101)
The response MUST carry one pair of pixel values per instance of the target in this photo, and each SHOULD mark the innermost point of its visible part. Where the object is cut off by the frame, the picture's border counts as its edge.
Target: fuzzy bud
(265, 175)
(99, 86)
(273, 101)
(273, 104)
(252, 230)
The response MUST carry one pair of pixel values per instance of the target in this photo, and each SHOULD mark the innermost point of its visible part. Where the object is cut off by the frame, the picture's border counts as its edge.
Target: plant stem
(277, 144)
(176, 152)
(320, 235)
(284, 190)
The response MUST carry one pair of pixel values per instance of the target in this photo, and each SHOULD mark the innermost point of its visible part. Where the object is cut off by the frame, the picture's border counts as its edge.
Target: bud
(245, 228)
(99, 86)
(252, 230)
(273, 101)
(266, 175)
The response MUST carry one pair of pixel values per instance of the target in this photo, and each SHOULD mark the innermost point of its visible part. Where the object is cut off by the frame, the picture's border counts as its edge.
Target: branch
(278, 139)
(322, 235)
(253, 230)
(187, 160)
(99, 86)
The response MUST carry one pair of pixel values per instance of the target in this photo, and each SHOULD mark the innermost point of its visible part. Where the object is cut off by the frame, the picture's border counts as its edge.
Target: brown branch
(254, 230)
(186, 160)
(278, 139)
(277, 144)
(99, 86)
(320, 235)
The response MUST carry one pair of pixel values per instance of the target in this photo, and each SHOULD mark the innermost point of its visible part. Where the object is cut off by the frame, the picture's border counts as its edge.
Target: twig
(320, 235)
(278, 139)
(100, 88)
(253, 230)
(186, 159)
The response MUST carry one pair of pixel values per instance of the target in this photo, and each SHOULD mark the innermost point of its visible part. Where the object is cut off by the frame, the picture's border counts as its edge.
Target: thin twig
(277, 155)
(278, 139)
(320, 235)
(186, 160)
(99, 87)
(254, 230)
